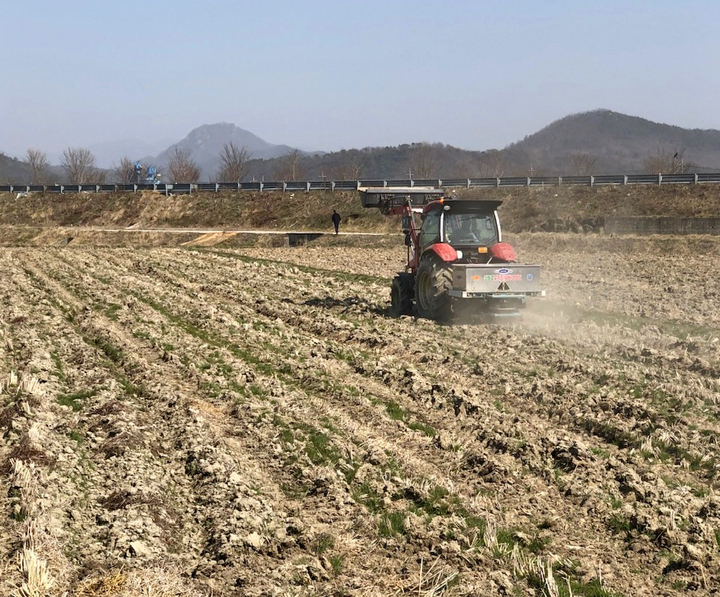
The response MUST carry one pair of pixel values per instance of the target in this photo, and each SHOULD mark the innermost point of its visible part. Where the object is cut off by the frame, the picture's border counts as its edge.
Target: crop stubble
(251, 422)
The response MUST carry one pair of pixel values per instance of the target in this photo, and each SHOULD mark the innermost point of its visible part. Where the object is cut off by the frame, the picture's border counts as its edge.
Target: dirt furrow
(280, 422)
(323, 490)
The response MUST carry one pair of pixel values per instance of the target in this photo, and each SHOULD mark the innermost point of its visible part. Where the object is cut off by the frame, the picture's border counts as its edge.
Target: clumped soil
(218, 421)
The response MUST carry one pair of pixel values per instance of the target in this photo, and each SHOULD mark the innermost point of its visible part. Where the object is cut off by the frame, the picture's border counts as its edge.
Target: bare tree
(349, 169)
(289, 167)
(493, 164)
(233, 162)
(38, 163)
(181, 167)
(423, 160)
(125, 172)
(668, 162)
(583, 164)
(79, 165)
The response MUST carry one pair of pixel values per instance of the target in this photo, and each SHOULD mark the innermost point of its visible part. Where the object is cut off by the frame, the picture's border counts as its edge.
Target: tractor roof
(395, 196)
(463, 205)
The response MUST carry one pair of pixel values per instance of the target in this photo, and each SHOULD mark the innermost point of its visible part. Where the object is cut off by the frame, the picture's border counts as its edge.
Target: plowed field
(251, 422)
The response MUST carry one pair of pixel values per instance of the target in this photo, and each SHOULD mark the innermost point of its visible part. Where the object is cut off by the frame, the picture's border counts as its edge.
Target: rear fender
(503, 252)
(444, 251)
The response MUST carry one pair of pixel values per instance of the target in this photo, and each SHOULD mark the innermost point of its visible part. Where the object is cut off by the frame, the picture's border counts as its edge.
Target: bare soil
(223, 421)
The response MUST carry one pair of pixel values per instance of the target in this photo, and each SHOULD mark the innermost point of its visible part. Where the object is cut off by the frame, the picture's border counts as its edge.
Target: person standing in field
(336, 221)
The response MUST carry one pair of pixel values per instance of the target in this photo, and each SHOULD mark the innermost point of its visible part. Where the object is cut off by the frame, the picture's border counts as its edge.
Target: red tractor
(456, 259)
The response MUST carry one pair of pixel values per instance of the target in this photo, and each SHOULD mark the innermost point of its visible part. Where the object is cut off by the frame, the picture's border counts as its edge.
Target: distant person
(336, 221)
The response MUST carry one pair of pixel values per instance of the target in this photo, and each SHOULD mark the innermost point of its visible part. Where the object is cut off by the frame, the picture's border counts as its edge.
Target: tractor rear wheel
(432, 287)
(402, 292)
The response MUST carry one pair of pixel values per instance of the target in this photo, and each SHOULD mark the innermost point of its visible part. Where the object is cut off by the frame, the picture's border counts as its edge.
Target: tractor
(456, 260)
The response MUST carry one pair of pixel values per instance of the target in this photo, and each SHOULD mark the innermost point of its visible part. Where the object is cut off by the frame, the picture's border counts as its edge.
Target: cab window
(470, 229)
(430, 232)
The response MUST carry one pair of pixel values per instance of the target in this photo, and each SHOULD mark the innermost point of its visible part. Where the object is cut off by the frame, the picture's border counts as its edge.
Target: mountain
(206, 142)
(596, 142)
(617, 142)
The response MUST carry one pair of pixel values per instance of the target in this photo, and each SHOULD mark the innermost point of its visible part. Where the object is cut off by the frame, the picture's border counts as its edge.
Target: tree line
(80, 167)
(418, 160)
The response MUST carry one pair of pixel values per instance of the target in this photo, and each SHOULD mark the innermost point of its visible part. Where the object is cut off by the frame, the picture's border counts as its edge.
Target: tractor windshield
(470, 229)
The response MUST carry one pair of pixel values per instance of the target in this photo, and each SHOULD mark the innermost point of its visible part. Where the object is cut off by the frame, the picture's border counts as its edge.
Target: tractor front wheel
(432, 287)
(402, 293)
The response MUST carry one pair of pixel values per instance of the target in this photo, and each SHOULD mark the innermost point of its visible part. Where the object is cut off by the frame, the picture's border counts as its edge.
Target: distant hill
(596, 142)
(13, 170)
(419, 160)
(617, 142)
(206, 142)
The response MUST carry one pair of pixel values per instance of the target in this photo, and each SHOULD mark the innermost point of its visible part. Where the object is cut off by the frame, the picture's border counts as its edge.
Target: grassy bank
(523, 209)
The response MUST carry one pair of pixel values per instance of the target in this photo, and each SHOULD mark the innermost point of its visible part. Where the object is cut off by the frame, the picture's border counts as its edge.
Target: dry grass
(27, 451)
(35, 575)
(122, 499)
(151, 582)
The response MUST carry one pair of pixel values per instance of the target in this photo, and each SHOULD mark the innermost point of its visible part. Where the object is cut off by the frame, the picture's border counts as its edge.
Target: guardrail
(351, 185)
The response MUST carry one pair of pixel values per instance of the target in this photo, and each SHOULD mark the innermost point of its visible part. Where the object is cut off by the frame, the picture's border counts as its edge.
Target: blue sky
(320, 74)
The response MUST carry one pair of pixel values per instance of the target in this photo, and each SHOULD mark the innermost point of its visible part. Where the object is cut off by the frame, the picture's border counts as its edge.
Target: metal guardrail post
(625, 180)
(592, 181)
(528, 181)
(332, 186)
(307, 187)
(559, 181)
(468, 183)
(284, 187)
(62, 189)
(497, 182)
(659, 178)
(696, 178)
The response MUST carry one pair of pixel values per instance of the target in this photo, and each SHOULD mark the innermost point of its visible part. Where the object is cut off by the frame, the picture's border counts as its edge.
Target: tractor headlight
(459, 254)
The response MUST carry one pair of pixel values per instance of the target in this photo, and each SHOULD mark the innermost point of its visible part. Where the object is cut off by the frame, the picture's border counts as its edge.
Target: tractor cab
(469, 227)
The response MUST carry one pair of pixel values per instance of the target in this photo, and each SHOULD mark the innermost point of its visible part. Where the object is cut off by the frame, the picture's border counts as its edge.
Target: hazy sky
(322, 74)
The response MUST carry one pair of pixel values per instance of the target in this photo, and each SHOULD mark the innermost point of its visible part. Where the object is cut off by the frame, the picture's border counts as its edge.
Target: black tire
(402, 292)
(432, 285)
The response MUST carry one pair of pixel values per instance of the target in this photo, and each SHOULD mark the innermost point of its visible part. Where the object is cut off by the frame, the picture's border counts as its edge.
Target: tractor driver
(460, 229)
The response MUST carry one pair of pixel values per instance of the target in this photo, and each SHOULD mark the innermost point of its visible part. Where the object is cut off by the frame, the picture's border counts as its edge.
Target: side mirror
(406, 223)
